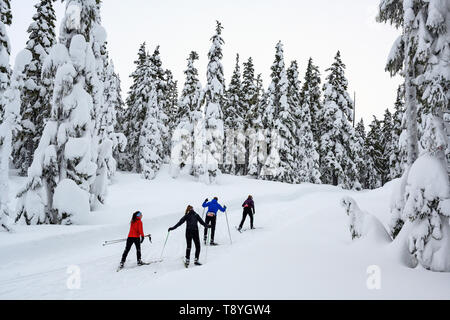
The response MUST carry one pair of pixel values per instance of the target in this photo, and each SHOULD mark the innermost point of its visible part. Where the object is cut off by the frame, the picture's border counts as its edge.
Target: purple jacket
(249, 204)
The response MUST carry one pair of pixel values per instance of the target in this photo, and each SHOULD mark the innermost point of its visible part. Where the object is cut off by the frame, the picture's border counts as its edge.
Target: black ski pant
(130, 242)
(210, 220)
(192, 235)
(244, 216)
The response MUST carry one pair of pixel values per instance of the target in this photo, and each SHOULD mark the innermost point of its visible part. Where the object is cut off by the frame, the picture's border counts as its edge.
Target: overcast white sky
(252, 28)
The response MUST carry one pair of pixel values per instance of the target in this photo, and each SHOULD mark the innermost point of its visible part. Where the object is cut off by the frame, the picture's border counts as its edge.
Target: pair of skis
(140, 265)
(246, 229)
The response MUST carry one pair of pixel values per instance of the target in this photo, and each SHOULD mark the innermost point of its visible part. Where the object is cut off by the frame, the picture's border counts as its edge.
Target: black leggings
(192, 235)
(244, 216)
(130, 242)
(210, 220)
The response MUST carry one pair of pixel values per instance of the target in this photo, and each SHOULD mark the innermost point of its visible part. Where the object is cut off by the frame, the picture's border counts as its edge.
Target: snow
(71, 200)
(304, 250)
(430, 174)
(73, 16)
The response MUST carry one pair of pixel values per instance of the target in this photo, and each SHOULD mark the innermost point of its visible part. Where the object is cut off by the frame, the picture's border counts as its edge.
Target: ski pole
(106, 243)
(203, 215)
(229, 233)
(208, 239)
(162, 252)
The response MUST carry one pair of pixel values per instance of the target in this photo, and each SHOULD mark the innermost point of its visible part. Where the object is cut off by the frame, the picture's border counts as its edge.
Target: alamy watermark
(374, 277)
(74, 280)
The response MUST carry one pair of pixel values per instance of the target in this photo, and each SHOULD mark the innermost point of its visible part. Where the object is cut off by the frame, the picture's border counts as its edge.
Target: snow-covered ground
(303, 249)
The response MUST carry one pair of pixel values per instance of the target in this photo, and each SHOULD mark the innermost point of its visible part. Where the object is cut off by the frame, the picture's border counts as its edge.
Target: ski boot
(186, 263)
(212, 243)
(197, 263)
(120, 267)
(140, 262)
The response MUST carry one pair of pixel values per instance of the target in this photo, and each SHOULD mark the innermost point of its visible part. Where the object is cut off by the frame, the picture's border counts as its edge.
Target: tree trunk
(411, 109)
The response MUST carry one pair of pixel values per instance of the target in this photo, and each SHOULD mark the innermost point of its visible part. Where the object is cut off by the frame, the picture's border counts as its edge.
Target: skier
(191, 218)
(249, 209)
(211, 217)
(136, 237)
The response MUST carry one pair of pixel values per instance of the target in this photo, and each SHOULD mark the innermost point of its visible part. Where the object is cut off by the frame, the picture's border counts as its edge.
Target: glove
(206, 200)
(150, 238)
(225, 207)
(142, 239)
(170, 229)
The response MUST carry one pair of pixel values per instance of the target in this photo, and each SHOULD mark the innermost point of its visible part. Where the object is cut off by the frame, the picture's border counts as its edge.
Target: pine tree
(234, 161)
(338, 136)
(311, 95)
(374, 149)
(257, 146)
(362, 155)
(214, 94)
(36, 96)
(421, 54)
(386, 140)
(8, 127)
(398, 156)
(187, 148)
(250, 95)
(64, 162)
(5, 51)
(163, 101)
(150, 144)
(279, 119)
(111, 141)
(134, 116)
(308, 165)
(172, 100)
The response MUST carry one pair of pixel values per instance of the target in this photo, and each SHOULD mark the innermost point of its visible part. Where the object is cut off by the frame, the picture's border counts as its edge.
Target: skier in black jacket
(192, 219)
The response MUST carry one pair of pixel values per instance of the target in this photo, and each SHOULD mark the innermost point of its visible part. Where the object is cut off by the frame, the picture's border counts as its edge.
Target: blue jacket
(213, 206)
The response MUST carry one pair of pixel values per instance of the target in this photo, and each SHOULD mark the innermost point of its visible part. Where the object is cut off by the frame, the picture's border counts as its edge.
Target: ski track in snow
(304, 250)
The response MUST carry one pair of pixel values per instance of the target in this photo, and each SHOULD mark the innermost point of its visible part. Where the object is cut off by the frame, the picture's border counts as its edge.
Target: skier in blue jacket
(211, 216)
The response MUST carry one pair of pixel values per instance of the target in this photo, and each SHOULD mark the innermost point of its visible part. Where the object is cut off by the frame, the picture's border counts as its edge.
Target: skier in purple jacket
(249, 209)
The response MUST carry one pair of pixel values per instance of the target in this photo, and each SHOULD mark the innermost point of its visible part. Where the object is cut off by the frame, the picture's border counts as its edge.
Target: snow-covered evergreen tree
(280, 117)
(374, 159)
(163, 101)
(421, 54)
(186, 146)
(36, 94)
(250, 96)
(5, 51)
(386, 145)
(171, 100)
(398, 156)
(134, 116)
(63, 171)
(150, 144)
(8, 127)
(214, 94)
(337, 158)
(234, 158)
(311, 95)
(111, 141)
(362, 155)
(257, 143)
(308, 158)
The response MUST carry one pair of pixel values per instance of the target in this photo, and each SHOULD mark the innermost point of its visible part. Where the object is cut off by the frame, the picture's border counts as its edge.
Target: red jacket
(136, 229)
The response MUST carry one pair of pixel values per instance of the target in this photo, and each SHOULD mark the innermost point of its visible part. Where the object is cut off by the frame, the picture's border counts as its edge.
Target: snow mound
(362, 224)
(71, 201)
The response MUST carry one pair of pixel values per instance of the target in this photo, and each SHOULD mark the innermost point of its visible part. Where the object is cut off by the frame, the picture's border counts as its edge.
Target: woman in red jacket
(136, 237)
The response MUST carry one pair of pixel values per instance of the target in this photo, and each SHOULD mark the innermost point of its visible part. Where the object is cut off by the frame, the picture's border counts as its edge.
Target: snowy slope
(303, 251)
